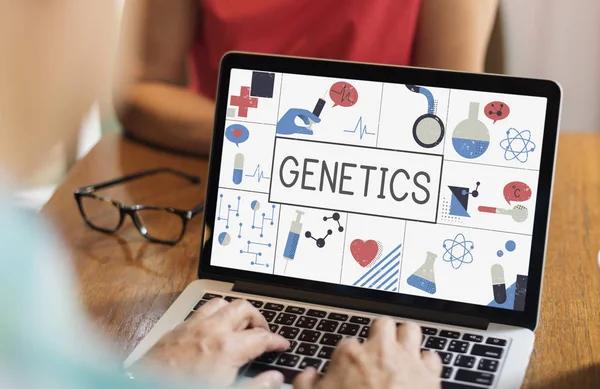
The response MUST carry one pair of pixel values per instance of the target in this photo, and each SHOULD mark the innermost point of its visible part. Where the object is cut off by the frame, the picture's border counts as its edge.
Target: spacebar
(256, 368)
(456, 385)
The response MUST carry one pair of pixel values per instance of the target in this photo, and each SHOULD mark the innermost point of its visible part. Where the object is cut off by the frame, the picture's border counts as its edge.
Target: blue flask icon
(424, 278)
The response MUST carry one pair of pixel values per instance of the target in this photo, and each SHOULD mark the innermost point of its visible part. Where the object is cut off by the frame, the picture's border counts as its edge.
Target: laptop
(339, 192)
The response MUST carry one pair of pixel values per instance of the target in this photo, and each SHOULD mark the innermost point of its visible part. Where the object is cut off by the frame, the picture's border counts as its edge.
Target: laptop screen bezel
(401, 75)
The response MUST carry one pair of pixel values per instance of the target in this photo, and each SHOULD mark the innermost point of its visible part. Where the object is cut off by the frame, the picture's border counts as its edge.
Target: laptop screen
(405, 189)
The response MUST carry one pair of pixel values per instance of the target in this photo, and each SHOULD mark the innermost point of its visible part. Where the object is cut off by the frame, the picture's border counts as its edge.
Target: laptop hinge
(353, 303)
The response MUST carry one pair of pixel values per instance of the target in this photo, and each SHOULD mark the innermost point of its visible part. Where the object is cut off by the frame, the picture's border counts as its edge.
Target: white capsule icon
(238, 168)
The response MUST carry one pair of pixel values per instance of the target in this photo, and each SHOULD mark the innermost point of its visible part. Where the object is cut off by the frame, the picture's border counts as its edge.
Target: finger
(304, 119)
(432, 361)
(349, 350)
(268, 380)
(410, 337)
(311, 116)
(252, 343)
(239, 315)
(210, 308)
(307, 379)
(383, 331)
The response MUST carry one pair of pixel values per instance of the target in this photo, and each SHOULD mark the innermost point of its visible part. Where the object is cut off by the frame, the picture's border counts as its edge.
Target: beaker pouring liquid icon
(424, 278)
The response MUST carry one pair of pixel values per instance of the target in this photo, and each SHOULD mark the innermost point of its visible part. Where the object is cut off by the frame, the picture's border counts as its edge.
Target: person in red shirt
(171, 101)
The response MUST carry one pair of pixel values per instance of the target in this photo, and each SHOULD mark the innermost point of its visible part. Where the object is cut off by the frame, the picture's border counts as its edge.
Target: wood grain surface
(127, 283)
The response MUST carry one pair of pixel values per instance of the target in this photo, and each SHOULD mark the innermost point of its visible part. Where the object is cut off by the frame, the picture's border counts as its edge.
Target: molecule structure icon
(335, 217)
(320, 242)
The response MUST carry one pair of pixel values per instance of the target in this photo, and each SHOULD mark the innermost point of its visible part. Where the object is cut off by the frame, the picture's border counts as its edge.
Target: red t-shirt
(380, 31)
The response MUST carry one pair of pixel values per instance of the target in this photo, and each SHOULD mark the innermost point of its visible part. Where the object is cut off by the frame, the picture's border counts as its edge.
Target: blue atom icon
(517, 145)
(458, 251)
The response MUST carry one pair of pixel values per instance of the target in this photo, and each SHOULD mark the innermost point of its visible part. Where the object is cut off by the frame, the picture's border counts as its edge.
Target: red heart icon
(237, 133)
(365, 252)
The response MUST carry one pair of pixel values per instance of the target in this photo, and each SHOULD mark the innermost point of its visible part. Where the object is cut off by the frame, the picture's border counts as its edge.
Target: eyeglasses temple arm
(191, 178)
(197, 209)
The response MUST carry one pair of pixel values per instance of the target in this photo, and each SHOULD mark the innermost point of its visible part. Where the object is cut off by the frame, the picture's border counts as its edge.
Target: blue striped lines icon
(385, 274)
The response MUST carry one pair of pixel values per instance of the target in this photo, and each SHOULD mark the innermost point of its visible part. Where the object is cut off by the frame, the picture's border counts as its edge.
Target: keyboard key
(488, 364)
(364, 333)
(309, 349)
(487, 351)
(327, 325)
(306, 322)
(326, 352)
(309, 336)
(289, 332)
(268, 357)
(231, 298)
(210, 296)
(325, 366)
(269, 315)
(458, 347)
(256, 303)
(189, 315)
(464, 361)
(293, 345)
(310, 362)
(330, 339)
(286, 319)
(450, 334)
(429, 330)
(256, 368)
(436, 343)
(361, 340)
(296, 310)
(337, 316)
(475, 377)
(349, 329)
(496, 341)
(447, 372)
(273, 328)
(289, 360)
(473, 338)
(360, 320)
(316, 313)
(445, 357)
(274, 307)
(200, 303)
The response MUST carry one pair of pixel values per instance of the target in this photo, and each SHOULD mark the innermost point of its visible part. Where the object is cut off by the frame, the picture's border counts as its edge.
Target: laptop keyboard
(470, 360)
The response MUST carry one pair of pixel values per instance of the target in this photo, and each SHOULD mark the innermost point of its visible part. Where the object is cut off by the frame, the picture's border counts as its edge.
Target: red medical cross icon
(244, 101)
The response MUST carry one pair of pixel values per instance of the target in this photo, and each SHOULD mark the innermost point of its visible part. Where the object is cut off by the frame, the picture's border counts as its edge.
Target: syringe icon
(293, 237)
(318, 109)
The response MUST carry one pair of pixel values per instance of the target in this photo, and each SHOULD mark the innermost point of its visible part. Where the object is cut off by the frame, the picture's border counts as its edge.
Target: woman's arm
(156, 107)
(454, 34)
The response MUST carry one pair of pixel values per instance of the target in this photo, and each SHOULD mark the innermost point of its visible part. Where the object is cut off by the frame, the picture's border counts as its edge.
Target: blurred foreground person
(55, 60)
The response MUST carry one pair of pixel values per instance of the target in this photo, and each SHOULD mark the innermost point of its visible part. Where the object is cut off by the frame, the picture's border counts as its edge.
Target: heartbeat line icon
(345, 95)
(363, 129)
(260, 173)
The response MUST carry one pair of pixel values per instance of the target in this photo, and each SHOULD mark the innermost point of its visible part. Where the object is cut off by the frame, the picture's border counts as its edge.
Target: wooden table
(127, 283)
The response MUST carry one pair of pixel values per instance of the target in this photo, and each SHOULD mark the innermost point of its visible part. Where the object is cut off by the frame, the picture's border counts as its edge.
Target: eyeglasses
(157, 224)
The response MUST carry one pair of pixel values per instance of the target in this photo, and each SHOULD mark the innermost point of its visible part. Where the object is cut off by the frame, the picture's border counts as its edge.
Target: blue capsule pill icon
(238, 168)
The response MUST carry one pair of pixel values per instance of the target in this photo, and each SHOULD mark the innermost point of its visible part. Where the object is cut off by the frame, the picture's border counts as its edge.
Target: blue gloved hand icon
(287, 125)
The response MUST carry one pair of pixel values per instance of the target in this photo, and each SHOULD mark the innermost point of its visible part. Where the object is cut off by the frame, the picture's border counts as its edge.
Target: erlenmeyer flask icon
(424, 278)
